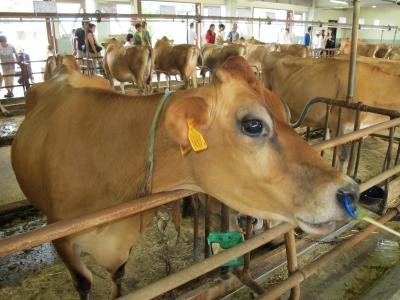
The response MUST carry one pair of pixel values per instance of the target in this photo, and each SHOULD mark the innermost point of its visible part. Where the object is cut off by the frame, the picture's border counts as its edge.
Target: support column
(133, 6)
(353, 51)
(198, 26)
(231, 7)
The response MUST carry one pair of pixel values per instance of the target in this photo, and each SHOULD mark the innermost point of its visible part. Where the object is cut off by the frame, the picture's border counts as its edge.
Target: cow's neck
(170, 171)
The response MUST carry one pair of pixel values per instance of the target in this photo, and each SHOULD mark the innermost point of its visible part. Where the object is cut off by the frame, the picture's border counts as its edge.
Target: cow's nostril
(348, 198)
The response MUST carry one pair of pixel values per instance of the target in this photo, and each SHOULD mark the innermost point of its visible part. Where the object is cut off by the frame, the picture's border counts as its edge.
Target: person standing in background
(192, 35)
(94, 49)
(25, 58)
(79, 40)
(129, 38)
(221, 34)
(323, 37)
(139, 38)
(286, 38)
(8, 55)
(307, 37)
(210, 35)
(330, 42)
(317, 43)
(233, 35)
(146, 34)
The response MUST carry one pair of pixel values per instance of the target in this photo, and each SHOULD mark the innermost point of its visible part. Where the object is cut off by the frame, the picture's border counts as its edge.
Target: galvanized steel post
(353, 51)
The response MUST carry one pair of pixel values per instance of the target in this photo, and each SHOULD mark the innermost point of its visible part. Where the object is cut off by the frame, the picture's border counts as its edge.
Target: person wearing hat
(317, 41)
(233, 35)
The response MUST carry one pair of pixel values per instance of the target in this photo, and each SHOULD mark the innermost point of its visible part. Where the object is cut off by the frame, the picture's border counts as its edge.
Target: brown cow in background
(176, 60)
(132, 64)
(54, 63)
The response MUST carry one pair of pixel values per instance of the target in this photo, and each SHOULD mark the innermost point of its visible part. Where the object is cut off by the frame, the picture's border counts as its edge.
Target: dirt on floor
(40, 274)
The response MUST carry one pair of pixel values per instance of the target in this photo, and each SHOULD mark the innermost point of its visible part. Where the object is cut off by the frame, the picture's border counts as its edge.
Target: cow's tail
(149, 65)
(191, 60)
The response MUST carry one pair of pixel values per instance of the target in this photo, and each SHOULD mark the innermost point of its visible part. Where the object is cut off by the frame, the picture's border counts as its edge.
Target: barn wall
(387, 15)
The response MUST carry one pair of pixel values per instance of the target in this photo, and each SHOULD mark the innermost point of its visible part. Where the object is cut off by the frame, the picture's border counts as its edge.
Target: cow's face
(255, 162)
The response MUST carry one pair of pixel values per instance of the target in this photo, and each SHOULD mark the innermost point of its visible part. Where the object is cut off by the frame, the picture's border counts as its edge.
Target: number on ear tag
(195, 137)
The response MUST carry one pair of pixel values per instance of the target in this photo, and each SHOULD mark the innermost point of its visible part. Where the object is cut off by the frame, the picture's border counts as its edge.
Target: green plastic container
(219, 241)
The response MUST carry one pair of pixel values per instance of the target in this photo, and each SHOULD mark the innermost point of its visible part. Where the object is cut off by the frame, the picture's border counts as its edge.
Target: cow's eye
(253, 127)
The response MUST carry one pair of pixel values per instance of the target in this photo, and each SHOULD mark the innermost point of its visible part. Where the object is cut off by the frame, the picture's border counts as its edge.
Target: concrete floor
(9, 189)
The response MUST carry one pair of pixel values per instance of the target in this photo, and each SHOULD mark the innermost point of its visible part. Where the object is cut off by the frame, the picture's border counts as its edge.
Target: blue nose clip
(352, 213)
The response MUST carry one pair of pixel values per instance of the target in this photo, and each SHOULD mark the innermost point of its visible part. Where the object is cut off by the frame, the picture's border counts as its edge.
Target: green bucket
(219, 241)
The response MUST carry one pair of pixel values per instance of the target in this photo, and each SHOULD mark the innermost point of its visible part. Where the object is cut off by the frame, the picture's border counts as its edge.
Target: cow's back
(297, 81)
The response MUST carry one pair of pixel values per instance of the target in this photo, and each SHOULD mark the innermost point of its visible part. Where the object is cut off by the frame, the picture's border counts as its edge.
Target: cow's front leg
(194, 79)
(158, 80)
(81, 276)
(122, 85)
(344, 153)
(117, 276)
(186, 81)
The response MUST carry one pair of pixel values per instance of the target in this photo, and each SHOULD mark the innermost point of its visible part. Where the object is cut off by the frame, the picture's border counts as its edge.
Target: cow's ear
(178, 114)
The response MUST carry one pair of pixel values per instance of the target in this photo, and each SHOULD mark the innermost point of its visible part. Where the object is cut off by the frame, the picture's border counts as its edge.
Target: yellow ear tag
(195, 137)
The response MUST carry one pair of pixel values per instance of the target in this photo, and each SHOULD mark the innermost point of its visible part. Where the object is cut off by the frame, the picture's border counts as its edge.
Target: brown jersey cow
(176, 60)
(132, 64)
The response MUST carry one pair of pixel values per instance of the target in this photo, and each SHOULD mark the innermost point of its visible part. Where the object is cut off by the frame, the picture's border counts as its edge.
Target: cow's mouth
(317, 228)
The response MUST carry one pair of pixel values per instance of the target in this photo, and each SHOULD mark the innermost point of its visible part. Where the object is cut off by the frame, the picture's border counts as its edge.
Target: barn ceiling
(364, 3)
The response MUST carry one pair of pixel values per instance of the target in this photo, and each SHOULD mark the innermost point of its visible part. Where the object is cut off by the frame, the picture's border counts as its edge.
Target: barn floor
(9, 189)
(361, 273)
(38, 273)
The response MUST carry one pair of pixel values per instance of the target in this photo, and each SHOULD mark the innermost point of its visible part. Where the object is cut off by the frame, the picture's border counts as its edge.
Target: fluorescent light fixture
(373, 6)
(339, 2)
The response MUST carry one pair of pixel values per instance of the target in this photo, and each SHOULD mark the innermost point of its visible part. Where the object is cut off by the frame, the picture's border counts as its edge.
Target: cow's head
(111, 43)
(255, 162)
(164, 41)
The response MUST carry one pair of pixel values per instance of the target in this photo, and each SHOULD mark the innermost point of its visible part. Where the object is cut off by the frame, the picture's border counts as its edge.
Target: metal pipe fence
(29, 17)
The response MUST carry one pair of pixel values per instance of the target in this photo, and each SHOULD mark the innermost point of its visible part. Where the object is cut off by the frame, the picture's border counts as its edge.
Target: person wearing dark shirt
(79, 40)
(25, 58)
(307, 37)
(330, 42)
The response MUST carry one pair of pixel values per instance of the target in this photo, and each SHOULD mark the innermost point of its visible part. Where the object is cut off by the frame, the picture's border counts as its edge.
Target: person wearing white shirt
(221, 35)
(192, 35)
(287, 39)
(317, 41)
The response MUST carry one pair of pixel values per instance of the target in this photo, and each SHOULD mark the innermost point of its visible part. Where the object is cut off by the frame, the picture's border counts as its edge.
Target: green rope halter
(150, 144)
